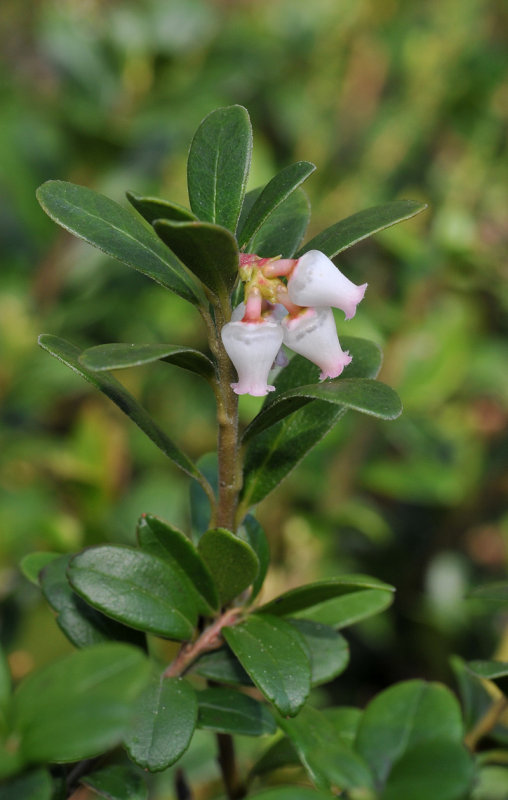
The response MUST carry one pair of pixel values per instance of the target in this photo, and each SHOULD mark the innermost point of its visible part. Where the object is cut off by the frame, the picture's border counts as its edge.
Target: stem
(486, 723)
(235, 790)
(210, 639)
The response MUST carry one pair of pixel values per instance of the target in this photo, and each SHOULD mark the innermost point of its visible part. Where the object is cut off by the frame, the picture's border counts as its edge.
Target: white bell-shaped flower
(252, 347)
(316, 281)
(313, 335)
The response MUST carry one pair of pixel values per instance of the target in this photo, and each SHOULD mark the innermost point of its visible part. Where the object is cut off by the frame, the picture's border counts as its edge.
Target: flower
(316, 281)
(313, 335)
(252, 347)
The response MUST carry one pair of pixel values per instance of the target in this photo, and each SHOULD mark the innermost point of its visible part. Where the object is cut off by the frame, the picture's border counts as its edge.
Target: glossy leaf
(81, 623)
(328, 761)
(231, 561)
(347, 609)
(359, 394)
(152, 208)
(209, 251)
(252, 532)
(284, 229)
(33, 785)
(79, 706)
(218, 166)
(32, 564)
(118, 355)
(164, 720)
(166, 542)
(222, 666)
(69, 355)
(305, 597)
(271, 455)
(290, 793)
(135, 588)
(353, 229)
(280, 754)
(117, 782)
(274, 654)
(271, 197)
(495, 671)
(118, 232)
(328, 650)
(229, 711)
(404, 730)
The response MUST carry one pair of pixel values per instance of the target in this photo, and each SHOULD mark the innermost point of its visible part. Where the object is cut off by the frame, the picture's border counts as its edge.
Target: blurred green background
(390, 100)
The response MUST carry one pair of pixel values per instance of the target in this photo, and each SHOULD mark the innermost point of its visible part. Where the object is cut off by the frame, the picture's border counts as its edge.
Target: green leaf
(199, 501)
(231, 561)
(34, 785)
(281, 753)
(474, 696)
(284, 229)
(290, 793)
(135, 588)
(118, 232)
(81, 624)
(32, 564)
(163, 723)
(353, 229)
(119, 355)
(79, 706)
(274, 453)
(69, 355)
(329, 762)
(117, 782)
(340, 612)
(496, 592)
(359, 394)
(228, 711)
(222, 665)
(271, 197)
(495, 671)
(345, 721)
(252, 532)
(329, 651)
(170, 544)
(304, 598)
(209, 251)
(218, 166)
(274, 654)
(152, 208)
(410, 718)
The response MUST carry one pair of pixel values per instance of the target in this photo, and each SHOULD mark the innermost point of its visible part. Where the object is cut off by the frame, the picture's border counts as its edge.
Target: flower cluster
(297, 313)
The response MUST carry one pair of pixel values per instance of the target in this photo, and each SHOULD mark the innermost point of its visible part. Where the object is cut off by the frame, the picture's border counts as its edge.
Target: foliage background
(390, 100)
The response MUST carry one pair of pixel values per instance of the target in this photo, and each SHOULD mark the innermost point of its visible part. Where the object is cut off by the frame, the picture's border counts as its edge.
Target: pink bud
(316, 281)
(252, 347)
(313, 335)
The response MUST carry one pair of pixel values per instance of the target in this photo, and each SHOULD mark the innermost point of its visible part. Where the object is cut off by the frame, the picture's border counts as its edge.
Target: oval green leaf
(135, 588)
(82, 624)
(305, 597)
(164, 720)
(119, 355)
(117, 232)
(166, 542)
(209, 251)
(271, 197)
(152, 208)
(232, 562)
(117, 782)
(32, 564)
(328, 650)
(284, 229)
(274, 453)
(353, 229)
(218, 166)
(228, 711)
(79, 706)
(222, 666)
(252, 532)
(274, 654)
(358, 394)
(69, 355)
(347, 609)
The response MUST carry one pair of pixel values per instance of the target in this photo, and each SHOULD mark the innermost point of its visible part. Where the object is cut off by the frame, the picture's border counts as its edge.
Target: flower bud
(252, 347)
(316, 281)
(313, 335)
